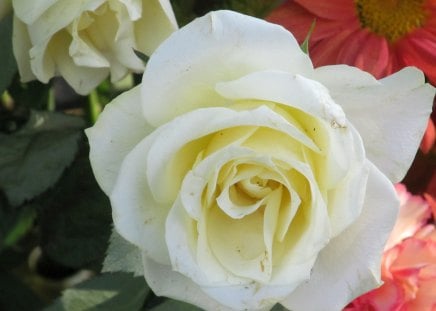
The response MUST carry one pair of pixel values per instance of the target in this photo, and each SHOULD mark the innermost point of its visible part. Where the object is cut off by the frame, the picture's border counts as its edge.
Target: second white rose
(85, 41)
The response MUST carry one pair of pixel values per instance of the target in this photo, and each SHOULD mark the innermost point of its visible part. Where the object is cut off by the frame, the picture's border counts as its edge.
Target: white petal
(42, 63)
(223, 46)
(292, 90)
(124, 43)
(82, 79)
(103, 35)
(207, 172)
(50, 22)
(156, 24)
(29, 11)
(134, 8)
(166, 282)
(118, 129)
(350, 264)
(21, 46)
(137, 217)
(181, 238)
(83, 51)
(163, 181)
(345, 200)
(391, 115)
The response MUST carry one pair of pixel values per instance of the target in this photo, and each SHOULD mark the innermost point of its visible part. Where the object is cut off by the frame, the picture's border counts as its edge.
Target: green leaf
(279, 307)
(305, 45)
(33, 158)
(111, 291)
(33, 94)
(122, 256)
(257, 8)
(15, 295)
(171, 305)
(14, 223)
(141, 56)
(7, 61)
(75, 218)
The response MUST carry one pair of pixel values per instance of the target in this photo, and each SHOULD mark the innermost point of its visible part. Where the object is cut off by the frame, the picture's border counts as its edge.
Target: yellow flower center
(392, 19)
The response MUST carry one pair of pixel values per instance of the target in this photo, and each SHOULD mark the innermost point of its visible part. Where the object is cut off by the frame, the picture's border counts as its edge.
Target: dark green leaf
(122, 256)
(33, 94)
(184, 10)
(257, 8)
(14, 223)
(279, 307)
(33, 158)
(16, 296)
(109, 291)
(7, 61)
(75, 218)
(141, 56)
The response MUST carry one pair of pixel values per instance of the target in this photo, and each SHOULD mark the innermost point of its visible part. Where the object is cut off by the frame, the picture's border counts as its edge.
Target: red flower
(377, 36)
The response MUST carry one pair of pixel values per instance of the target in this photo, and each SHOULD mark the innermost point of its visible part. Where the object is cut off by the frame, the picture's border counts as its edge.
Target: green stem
(94, 106)
(51, 101)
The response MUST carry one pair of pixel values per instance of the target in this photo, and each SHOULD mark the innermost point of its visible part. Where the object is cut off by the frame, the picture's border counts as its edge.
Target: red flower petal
(332, 9)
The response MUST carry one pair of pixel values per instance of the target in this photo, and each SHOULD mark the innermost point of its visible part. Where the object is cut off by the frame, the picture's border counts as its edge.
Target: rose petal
(157, 22)
(166, 282)
(134, 8)
(118, 129)
(350, 263)
(21, 45)
(165, 176)
(49, 22)
(285, 88)
(44, 64)
(390, 115)
(178, 80)
(30, 11)
(136, 215)
(344, 147)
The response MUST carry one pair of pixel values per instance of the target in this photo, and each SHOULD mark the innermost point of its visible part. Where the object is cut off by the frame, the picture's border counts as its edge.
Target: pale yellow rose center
(256, 209)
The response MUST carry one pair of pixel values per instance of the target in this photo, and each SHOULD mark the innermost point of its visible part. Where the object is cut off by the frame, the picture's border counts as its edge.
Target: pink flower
(408, 264)
(414, 213)
(380, 37)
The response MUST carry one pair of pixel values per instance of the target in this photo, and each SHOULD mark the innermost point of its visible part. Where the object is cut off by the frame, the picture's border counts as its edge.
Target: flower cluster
(242, 170)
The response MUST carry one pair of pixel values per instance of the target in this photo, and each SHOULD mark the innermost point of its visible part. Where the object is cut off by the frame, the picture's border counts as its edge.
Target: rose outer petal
(350, 263)
(21, 45)
(181, 79)
(390, 114)
(156, 23)
(120, 127)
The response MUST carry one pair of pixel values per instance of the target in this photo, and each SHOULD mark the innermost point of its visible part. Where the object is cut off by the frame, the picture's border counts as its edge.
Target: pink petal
(332, 9)
(418, 49)
(414, 214)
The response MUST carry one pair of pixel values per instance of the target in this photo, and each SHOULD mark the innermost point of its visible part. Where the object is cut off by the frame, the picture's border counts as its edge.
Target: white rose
(247, 178)
(84, 41)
